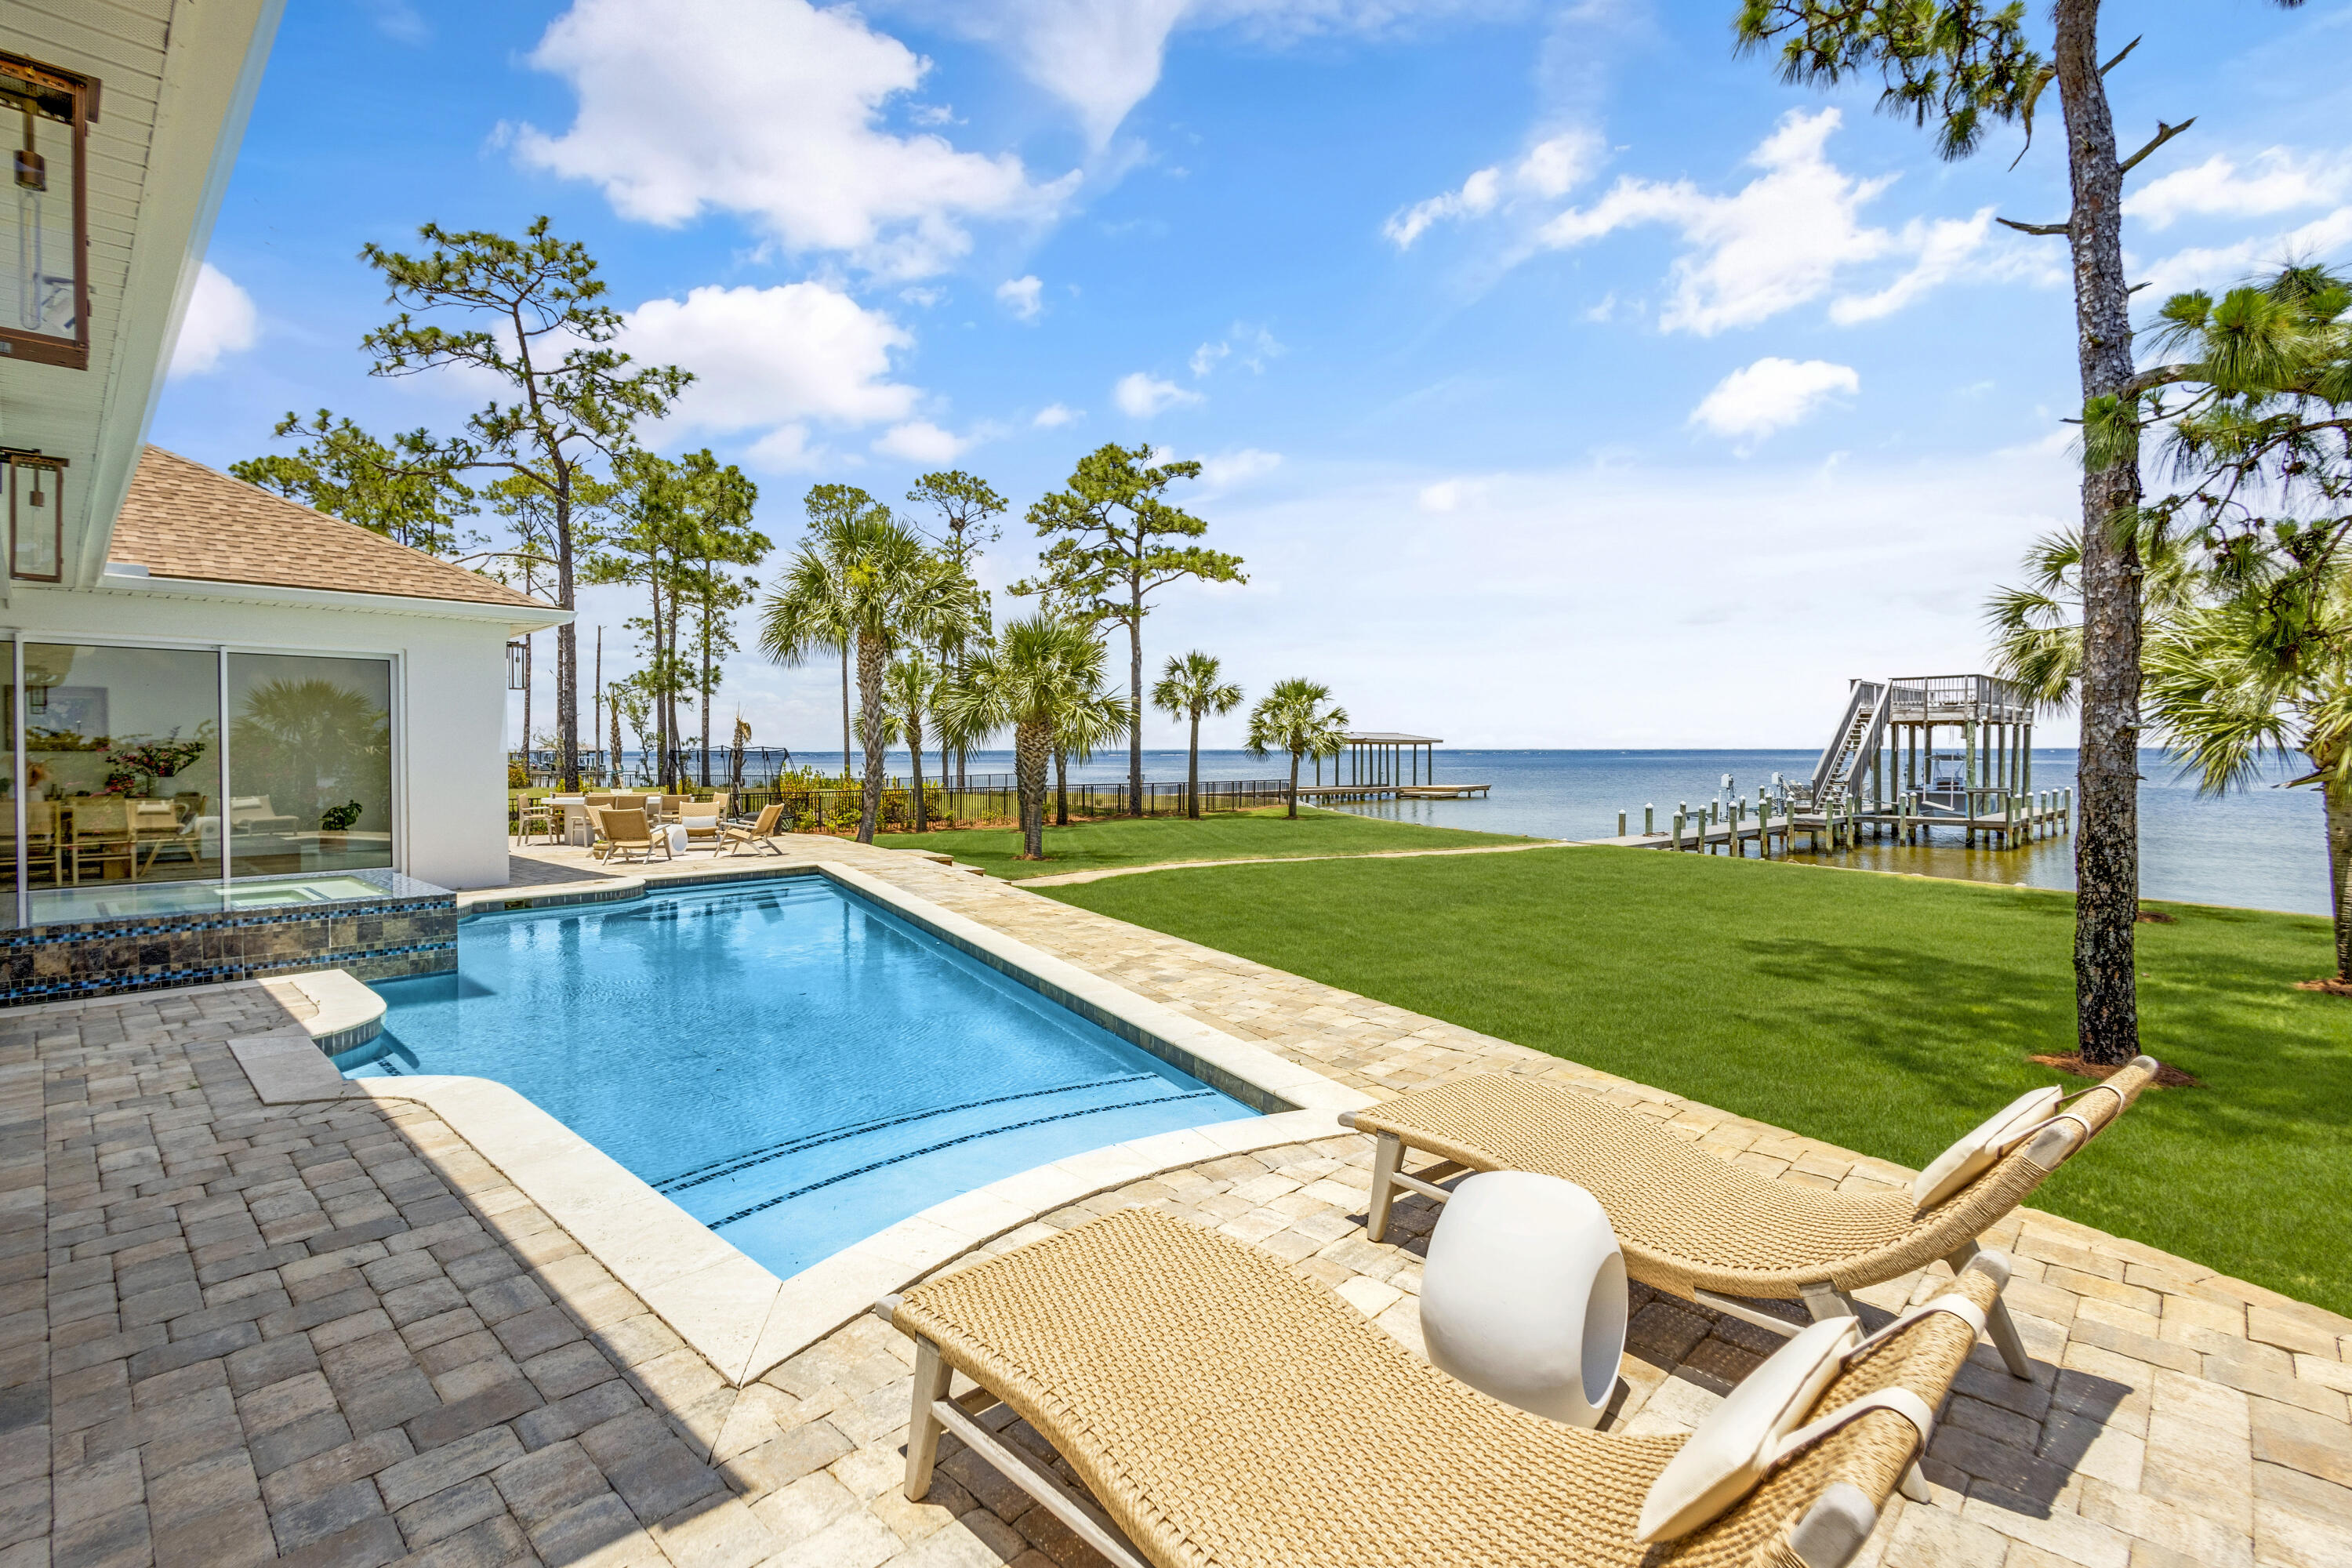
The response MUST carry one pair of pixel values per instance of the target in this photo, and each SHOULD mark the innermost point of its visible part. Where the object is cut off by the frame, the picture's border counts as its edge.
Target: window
(310, 762)
(126, 810)
(121, 775)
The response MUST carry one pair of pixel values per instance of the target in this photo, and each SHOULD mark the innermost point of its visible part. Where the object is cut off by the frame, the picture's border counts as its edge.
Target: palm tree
(872, 579)
(2038, 630)
(1042, 680)
(1086, 728)
(1188, 688)
(1292, 718)
(912, 686)
(2226, 697)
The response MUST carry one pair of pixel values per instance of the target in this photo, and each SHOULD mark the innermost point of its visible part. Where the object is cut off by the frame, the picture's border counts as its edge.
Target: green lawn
(1222, 836)
(1888, 1014)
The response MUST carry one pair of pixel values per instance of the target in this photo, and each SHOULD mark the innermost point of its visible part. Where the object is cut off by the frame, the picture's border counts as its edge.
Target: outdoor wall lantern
(45, 274)
(518, 666)
(36, 511)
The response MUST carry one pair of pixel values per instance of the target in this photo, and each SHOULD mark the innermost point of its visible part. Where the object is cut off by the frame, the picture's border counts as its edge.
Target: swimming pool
(795, 1066)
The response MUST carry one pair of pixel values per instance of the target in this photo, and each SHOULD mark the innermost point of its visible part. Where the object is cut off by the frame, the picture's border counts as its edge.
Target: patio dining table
(578, 831)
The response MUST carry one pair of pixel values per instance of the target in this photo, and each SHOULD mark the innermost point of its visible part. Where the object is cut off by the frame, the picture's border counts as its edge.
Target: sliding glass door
(310, 762)
(122, 778)
(149, 779)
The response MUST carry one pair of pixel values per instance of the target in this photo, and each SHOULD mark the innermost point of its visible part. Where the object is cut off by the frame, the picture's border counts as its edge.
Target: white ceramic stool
(1523, 1295)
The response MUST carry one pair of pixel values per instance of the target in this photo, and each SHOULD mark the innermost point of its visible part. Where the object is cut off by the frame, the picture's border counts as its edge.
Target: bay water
(2262, 847)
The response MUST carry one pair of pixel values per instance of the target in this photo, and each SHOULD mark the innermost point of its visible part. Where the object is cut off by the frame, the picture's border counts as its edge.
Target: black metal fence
(717, 768)
(834, 807)
(991, 797)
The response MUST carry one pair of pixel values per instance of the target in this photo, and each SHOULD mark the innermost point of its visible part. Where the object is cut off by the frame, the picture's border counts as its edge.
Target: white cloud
(1790, 235)
(1776, 243)
(1141, 395)
(1021, 297)
(1054, 415)
(1772, 395)
(1550, 170)
(1254, 345)
(1230, 468)
(220, 320)
(773, 359)
(920, 441)
(1103, 57)
(770, 109)
(2274, 180)
(2217, 266)
(1447, 495)
(1945, 249)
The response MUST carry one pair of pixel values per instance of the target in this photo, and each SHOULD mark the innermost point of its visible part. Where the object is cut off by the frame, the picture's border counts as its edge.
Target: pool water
(793, 1066)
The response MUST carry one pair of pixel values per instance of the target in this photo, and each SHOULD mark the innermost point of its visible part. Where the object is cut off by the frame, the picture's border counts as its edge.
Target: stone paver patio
(333, 1333)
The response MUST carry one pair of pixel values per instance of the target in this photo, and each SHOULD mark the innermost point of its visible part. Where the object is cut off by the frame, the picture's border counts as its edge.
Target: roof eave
(517, 618)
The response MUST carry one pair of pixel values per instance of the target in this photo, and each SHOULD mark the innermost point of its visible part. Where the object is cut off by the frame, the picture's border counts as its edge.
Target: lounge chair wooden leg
(922, 1425)
(1388, 1153)
(2000, 1327)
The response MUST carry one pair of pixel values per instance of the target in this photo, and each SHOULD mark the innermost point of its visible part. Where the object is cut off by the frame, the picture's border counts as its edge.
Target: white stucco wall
(448, 687)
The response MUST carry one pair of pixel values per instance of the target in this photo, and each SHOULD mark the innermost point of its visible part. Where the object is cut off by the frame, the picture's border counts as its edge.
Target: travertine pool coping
(738, 1314)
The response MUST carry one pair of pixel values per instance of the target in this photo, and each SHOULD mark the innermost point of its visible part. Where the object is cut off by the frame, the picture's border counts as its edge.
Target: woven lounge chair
(760, 834)
(628, 836)
(1702, 1227)
(1224, 1412)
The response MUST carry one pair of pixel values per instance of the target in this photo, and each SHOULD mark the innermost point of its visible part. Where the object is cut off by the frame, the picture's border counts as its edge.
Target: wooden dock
(1393, 791)
(2021, 820)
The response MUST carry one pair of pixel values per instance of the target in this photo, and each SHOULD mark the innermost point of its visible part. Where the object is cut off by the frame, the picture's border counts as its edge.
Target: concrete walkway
(332, 1332)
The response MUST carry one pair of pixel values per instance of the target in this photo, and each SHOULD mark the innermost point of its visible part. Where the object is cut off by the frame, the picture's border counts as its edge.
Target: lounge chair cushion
(1982, 1146)
(1735, 1448)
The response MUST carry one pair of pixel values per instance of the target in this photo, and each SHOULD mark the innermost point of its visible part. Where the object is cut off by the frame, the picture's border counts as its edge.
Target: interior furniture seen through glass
(125, 809)
(122, 769)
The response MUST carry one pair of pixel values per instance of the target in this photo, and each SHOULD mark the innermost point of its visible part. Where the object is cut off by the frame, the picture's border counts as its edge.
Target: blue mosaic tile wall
(410, 928)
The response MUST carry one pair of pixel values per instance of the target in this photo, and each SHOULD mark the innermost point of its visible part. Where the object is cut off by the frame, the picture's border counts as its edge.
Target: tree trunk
(1061, 787)
(1193, 772)
(1293, 813)
(2106, 842)
(1135, 708)
(915, 751)
(845, 710)
(1030, 743)
(873, 661)
(707, 684)
(567, 656)
(2339, 797)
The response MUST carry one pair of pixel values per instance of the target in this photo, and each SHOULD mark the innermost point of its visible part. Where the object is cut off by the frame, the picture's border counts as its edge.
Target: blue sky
(1562, 378)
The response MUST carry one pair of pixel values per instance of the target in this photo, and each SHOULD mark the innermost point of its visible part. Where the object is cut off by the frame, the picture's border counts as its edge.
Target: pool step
(722, 1191)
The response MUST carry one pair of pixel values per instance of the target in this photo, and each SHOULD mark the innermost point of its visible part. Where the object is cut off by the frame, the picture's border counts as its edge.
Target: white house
(237, 734)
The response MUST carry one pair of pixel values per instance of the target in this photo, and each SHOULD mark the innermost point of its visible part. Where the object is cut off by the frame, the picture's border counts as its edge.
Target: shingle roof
(183, 519)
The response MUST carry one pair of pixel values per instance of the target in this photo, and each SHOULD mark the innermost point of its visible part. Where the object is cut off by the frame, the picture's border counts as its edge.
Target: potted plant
(334, 825)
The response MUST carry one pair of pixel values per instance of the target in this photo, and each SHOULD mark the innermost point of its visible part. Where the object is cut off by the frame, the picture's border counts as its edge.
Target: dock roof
(1388, 738)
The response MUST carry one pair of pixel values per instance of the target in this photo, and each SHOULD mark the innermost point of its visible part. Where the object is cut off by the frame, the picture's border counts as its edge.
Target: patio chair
(536, 816)
(1709, 1231)
(760, 834)
(102, 836)
(701, 824)
(628, 836)
(1224, 1412)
